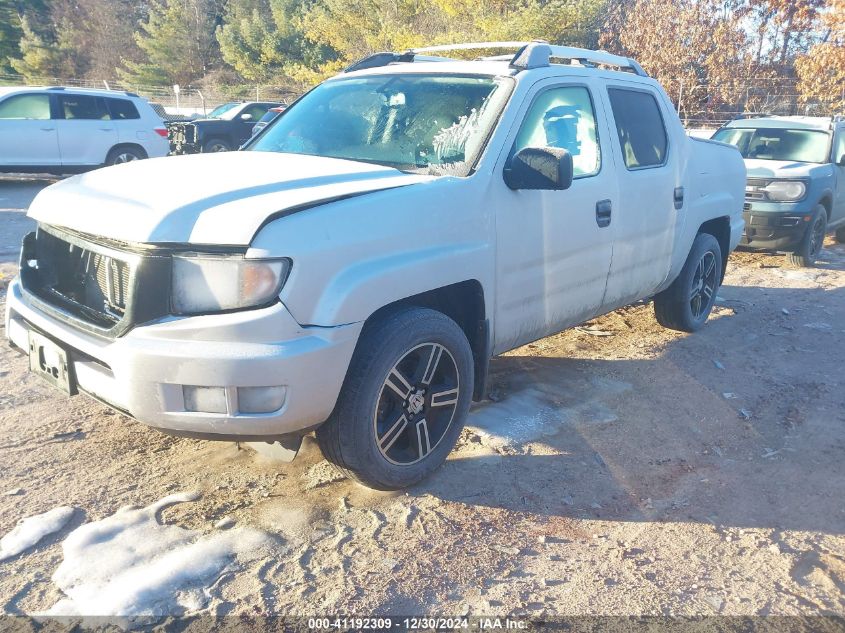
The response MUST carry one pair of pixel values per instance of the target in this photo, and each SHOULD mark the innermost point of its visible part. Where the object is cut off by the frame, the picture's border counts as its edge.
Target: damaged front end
(183, 138)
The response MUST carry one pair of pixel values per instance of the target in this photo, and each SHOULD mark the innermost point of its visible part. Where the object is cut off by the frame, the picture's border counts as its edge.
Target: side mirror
(841, 161)
(246, 116)
(540, 168)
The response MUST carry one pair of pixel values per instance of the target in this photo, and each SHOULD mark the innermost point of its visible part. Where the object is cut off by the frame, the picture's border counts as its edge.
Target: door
(28, 136)
(838, 214)
(554, 247)
(86, 131)
(255, 112)
(645, 217)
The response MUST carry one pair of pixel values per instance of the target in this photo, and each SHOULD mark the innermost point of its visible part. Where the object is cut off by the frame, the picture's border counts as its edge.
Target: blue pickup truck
(795, 193)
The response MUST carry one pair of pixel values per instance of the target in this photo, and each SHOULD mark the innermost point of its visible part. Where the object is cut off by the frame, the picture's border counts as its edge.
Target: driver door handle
(603, 213)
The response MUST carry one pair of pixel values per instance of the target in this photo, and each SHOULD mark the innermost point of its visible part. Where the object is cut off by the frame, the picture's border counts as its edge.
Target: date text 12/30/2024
(417, 624)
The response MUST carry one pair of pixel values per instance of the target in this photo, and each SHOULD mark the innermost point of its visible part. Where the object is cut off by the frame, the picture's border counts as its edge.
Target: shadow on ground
(738, 425)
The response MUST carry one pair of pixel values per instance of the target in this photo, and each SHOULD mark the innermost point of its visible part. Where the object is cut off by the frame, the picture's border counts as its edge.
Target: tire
(120, 155)
(686, 304)
(384, 435)
(213, 145)
(812, 242)
(840, 235)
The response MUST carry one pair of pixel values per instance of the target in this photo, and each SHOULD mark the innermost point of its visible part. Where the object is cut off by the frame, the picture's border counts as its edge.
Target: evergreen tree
(177, 42)
(10, 34)
(45, 54)
(263, 41)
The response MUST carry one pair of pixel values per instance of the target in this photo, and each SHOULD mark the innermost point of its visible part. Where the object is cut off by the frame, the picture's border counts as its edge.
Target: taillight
(161, 131)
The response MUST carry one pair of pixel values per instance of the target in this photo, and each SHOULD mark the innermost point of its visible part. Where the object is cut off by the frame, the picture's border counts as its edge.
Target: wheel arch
(827, 202)
(720, 228)
(118, 146)
(463, 302)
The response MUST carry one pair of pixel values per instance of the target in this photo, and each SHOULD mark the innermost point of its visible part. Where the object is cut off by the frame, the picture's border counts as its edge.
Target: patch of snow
(130, 565)
(32, 529)
(520, 418)
(530, 414)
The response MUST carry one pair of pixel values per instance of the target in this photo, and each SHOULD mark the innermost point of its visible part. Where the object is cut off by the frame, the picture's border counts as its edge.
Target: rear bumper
(780, 230)
(144, 372)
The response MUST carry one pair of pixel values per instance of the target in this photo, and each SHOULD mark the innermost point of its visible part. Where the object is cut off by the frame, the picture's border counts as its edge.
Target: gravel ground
(618, 469)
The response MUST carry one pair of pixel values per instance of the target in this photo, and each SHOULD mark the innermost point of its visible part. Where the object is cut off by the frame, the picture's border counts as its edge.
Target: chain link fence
(187, 101)
(700, 106)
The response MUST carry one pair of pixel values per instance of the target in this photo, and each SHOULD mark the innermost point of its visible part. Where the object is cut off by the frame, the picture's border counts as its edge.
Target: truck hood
(757, 168)
(214, 199)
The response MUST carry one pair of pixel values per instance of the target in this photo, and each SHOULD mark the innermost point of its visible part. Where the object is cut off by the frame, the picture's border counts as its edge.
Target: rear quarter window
(640, 126)
(122, 109)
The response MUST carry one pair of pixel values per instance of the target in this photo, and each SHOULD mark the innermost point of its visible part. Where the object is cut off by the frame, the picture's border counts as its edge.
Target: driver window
(564, 118)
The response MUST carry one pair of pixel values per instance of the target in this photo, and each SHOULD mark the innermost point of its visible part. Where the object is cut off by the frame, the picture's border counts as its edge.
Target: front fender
(362, 288)
(354, 256)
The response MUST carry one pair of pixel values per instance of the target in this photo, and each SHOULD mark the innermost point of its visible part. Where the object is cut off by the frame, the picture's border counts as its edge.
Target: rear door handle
(47, 129)
(603, 213)
(679, 198)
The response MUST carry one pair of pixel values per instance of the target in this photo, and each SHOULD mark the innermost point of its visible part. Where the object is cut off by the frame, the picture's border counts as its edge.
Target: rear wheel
(215, 145)
(812, 242)
(120, 155)
(686, 304)
(840, 235)
(404, 400)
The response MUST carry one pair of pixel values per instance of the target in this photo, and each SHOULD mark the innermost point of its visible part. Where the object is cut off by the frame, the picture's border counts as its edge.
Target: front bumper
(770, 226)
(143, 372)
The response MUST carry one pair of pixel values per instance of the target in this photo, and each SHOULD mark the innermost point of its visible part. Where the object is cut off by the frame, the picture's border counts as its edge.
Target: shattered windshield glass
(419, 123)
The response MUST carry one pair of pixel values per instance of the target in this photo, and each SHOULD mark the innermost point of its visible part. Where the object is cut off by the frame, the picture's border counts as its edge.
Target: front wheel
(840, 235)
(215, 145)
(404, 401)
(811, 244)
(686, 304)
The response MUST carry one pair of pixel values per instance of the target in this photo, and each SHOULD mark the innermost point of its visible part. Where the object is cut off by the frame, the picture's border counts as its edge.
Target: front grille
(754, 189)
(181, 134)
(94, 285)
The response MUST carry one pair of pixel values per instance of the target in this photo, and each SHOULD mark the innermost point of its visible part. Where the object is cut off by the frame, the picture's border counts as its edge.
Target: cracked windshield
(413, 123)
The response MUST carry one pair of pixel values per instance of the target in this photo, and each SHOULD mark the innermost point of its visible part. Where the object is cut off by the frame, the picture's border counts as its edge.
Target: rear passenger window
(563, 118)
(82, 107)
(122, 109)
(642, 134)
(25, 107)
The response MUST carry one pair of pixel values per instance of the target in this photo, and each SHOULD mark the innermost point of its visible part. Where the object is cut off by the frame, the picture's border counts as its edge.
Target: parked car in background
(795, 192)
(227, 127)
(354, 269)
(65, 130)
(271, 114)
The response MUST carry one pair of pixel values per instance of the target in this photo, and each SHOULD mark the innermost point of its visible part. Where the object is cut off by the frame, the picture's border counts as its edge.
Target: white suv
(354, 270)
(67, 130)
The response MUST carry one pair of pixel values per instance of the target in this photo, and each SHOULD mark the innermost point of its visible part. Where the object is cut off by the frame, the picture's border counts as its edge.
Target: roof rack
(536, 54)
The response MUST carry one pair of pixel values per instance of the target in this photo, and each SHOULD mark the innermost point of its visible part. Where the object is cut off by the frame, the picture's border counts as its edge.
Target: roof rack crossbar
(536, 54)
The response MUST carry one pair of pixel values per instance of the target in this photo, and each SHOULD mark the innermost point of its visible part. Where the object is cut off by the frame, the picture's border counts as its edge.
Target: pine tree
(263, 42)
(45, 54)
(177, 43)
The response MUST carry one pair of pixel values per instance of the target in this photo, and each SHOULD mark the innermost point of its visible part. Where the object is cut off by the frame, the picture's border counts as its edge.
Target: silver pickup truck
(355, 267)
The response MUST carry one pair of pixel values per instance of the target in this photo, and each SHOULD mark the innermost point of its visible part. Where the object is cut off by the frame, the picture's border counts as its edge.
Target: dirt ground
(641, 472)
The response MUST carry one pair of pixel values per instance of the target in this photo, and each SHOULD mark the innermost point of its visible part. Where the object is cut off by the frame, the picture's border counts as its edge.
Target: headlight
(208, 283)
(785, 190)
